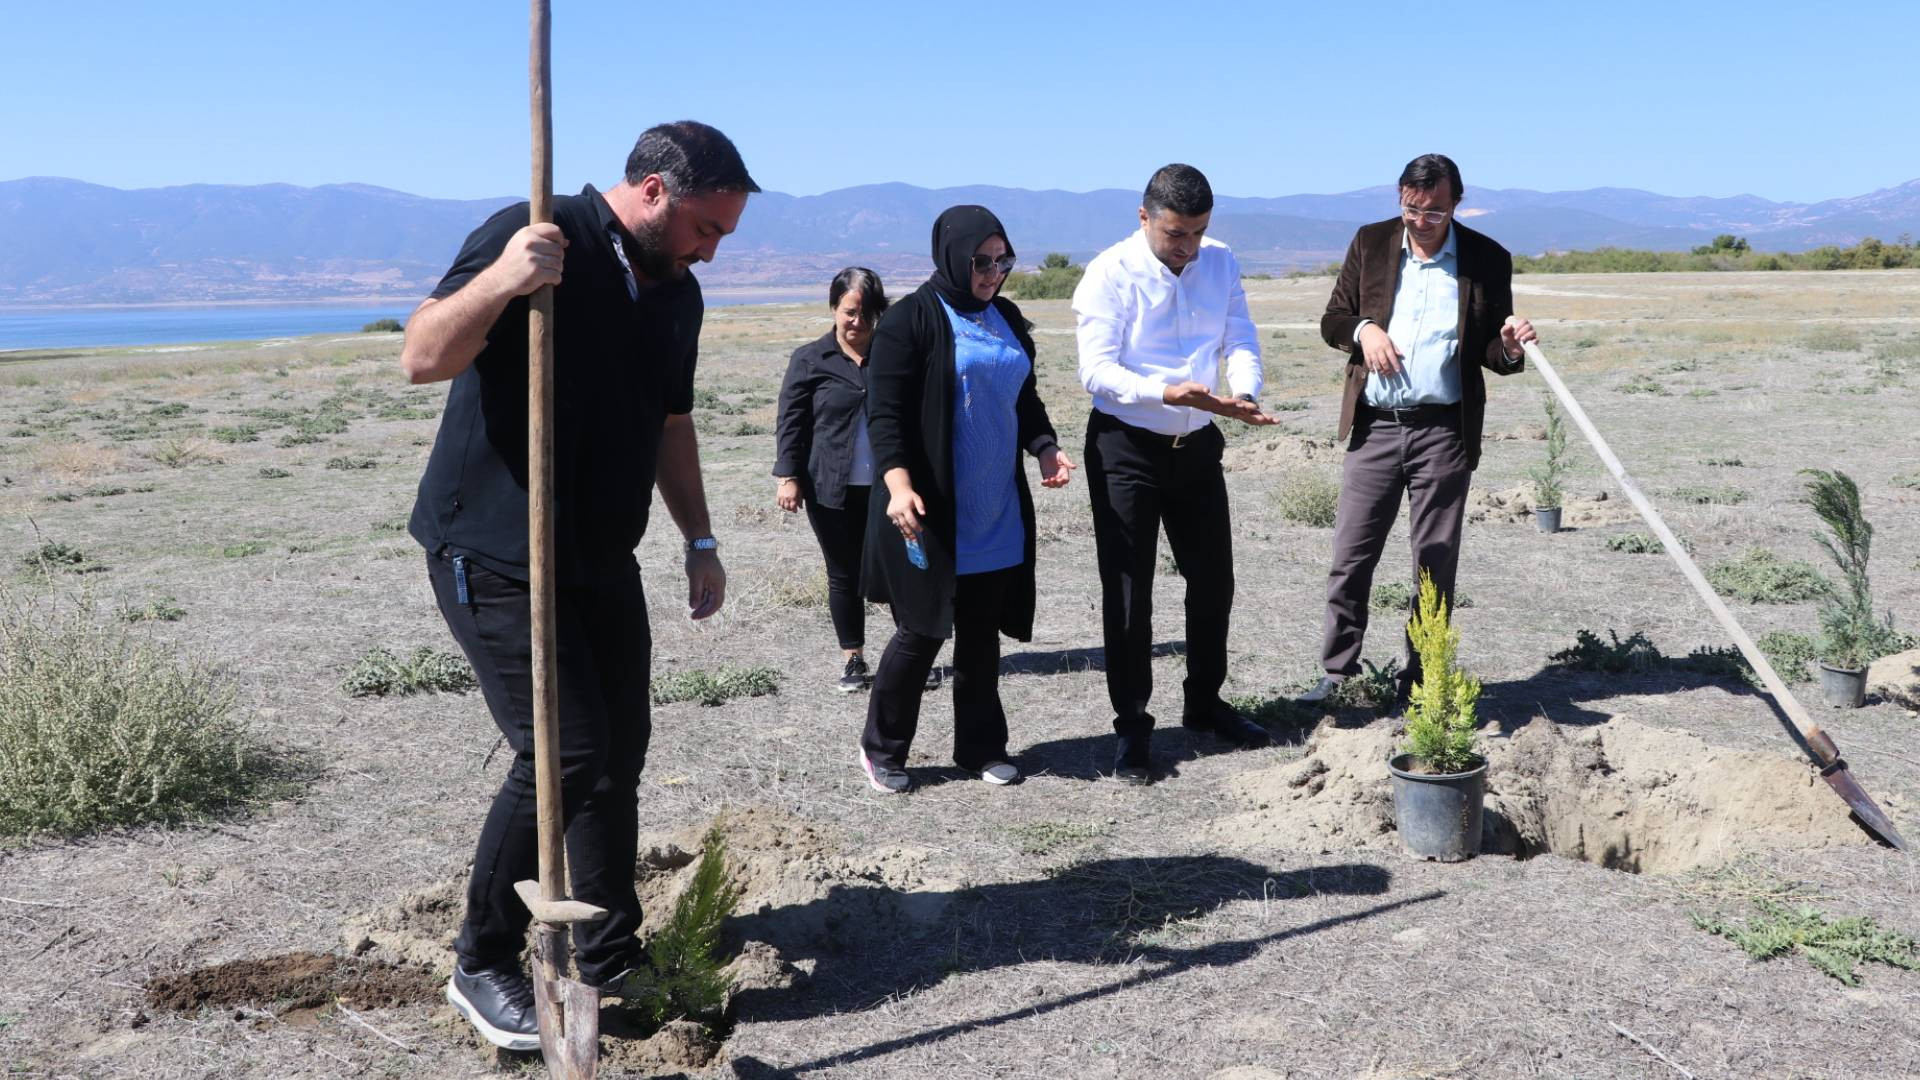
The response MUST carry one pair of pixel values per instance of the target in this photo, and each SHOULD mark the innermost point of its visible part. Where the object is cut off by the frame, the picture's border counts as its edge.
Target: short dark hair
(1182, 189)
(692, 158)
(873, 295)
(1425, 172)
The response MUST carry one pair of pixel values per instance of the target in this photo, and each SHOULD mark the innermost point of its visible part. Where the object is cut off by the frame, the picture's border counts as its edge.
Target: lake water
(167, 324)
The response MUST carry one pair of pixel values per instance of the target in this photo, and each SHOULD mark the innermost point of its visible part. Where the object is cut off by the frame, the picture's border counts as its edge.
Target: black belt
(1417, 414)
(1135, 431)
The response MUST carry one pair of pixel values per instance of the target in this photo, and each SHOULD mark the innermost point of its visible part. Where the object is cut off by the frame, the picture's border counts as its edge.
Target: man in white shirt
(1162, 317)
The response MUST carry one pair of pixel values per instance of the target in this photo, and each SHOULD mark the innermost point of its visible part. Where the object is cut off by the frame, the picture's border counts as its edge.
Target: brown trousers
(1419, 452)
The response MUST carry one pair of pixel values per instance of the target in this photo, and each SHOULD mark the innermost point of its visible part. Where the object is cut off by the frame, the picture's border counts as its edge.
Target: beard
(650, 256)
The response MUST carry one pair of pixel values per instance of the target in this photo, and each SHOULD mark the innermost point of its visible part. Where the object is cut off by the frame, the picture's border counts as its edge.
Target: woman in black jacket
(825, 462)
(950, 544)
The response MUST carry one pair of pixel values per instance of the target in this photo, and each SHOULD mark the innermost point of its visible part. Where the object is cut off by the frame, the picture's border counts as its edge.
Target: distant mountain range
(68, 242)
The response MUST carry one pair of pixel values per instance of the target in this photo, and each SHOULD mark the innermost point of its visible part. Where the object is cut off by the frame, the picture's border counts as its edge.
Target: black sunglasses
(984, 263)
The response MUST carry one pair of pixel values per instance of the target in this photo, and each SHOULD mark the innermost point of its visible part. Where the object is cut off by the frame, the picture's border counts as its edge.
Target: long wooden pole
(1817, 743)
(546, 690)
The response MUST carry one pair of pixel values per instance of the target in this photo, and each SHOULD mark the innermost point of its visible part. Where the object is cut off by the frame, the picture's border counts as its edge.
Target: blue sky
(1800, 102)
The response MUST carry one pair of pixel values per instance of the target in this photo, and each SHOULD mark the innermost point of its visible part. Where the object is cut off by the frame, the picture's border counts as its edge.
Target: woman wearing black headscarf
(950, 405)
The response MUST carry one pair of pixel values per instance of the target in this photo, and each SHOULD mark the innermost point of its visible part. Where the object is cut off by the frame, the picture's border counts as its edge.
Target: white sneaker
(999, 773)
(1323, 690)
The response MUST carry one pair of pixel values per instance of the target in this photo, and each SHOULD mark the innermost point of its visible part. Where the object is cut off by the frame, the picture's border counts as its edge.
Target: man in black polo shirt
(626, 330)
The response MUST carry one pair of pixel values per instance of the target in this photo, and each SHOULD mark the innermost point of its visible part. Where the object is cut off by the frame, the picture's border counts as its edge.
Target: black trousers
(603, 662)
(979, 722)
(842, 534)
(1138, 482)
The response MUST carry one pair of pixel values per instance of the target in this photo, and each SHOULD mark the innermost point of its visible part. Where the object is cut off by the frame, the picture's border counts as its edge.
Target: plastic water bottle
(915, 554)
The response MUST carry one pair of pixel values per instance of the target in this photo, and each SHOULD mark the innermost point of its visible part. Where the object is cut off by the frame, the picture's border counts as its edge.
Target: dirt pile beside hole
(678, 1046)
(299, 980)
(1897, 678)
(1515, 505)
(1631, 797)
(1620, 795)
(1278, 452)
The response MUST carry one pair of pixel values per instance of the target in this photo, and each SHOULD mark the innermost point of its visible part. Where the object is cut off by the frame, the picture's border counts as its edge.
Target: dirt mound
(1277, 452)
(1897, 678)
(1621, 795)
(1520, 433)
(678, 1046)
(1515, 505)
(300, 980)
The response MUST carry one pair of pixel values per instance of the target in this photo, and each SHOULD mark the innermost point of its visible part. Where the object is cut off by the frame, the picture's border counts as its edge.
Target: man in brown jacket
(1421, 305)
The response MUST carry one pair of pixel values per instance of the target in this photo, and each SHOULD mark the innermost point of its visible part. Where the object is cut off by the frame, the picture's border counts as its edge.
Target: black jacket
(824, 396)
(910, 379)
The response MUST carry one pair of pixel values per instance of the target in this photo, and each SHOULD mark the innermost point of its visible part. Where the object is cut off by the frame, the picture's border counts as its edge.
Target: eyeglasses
(1431, 217)
(984, 263)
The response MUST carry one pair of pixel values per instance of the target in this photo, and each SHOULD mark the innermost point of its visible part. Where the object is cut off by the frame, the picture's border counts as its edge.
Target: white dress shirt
(1144, 328)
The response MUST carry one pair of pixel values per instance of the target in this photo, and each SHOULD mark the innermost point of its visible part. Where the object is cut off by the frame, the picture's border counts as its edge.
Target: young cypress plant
(684, 976)
(1851, 637)
(1547, 492)
(1440, 711)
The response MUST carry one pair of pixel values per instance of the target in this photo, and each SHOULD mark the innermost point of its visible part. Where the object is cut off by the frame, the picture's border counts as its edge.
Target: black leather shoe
(1131, 765)
(499, 1004)
(1225, 722)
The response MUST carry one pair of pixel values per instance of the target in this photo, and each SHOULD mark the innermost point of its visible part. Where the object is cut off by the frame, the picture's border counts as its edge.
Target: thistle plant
(1850, 636)
(1547, 493)
(1440, 711)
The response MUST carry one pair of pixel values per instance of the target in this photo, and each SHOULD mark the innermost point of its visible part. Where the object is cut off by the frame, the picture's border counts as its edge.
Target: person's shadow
(872, 944)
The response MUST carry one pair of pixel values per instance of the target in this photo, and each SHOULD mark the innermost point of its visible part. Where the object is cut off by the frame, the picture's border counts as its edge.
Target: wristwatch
(702, 543)
(1248, 398)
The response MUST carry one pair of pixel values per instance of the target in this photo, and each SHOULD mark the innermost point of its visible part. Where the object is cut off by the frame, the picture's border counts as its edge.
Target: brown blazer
(1368, 280)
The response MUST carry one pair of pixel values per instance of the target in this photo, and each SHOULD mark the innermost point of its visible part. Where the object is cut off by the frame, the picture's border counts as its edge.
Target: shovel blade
(568, 1011)
(1840, 778)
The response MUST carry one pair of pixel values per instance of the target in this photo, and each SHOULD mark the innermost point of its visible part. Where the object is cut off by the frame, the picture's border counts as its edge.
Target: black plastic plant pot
(1438, 815)
(1842, 688)
(1547, 518)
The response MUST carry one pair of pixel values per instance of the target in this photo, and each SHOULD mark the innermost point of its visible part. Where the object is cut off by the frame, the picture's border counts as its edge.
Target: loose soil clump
(1513, 506)
(1621, 795)
(299, 980)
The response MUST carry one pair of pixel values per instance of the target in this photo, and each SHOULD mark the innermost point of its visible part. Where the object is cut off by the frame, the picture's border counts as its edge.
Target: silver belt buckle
(1180, 440)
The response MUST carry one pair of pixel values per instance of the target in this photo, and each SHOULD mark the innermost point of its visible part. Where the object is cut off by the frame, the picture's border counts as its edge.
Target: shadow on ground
(1098, 911)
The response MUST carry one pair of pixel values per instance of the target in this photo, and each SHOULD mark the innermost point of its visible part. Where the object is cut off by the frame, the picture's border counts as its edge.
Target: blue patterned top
(989, 369)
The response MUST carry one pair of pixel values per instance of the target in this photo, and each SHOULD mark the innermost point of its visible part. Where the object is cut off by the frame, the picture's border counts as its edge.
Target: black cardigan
(910, 380)
(824, 396)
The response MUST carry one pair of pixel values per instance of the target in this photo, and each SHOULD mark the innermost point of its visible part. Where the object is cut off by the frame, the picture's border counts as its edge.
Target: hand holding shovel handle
(1818, 745)
(569, 1011)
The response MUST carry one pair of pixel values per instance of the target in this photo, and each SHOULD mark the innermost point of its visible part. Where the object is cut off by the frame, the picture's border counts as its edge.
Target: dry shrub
(1309, 498)
(77, 460)
(180, 453)
(101, 729)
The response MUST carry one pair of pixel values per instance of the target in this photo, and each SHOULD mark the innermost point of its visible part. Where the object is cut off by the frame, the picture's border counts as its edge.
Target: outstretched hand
(1196, 395)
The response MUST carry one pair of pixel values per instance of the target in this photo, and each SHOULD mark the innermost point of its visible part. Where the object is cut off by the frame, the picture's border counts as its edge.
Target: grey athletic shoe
(886, 780)
(498, 1002)
(999, 773)
(855, 677)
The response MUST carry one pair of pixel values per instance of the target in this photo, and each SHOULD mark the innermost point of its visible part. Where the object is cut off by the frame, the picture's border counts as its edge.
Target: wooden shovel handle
(546, 689)
(1815, 741)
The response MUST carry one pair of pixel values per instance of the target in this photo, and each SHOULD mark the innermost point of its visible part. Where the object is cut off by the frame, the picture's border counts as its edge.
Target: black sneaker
(933, 677)
(499, 1003)
(855, 677)
(1224, 721)
(1131, 765)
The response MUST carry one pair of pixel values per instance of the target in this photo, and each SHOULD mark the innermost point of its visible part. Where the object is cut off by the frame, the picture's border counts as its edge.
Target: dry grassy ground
(1064, 926)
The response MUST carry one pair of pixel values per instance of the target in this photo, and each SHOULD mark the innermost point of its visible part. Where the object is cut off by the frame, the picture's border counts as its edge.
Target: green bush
(383, 326)
(715, 687)
(349, 463)
(1309, 498)
(1398, 596)
(241, 434)
(1700, 495)
(1836, 948)
(1868, 254)
(1758, 576)
(380, 673)
(1635, 655)
(1789, 653)
(1547, 492)
(54, 555)
(159, 609)
(244, 549)
(1055, 280)
(1851, 636)
(270, 472)
(98, 729)
(1641, 544)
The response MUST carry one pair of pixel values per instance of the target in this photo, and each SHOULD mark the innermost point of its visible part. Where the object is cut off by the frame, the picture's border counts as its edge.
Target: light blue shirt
(1425, 327)
(990, 367)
